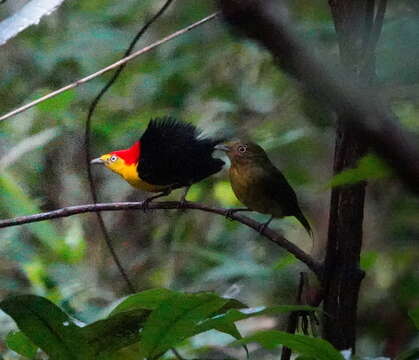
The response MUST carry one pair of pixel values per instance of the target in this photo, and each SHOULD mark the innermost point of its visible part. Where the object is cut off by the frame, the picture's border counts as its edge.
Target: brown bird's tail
(301, 218)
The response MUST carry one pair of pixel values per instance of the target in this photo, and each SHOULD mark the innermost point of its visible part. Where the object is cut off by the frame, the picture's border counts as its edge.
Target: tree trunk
(342, 277)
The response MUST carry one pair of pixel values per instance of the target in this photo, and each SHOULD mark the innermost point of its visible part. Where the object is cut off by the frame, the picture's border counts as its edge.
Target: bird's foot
(183, 202)
(262, 227)
(146, 203)
(149, 200)
(229, 212)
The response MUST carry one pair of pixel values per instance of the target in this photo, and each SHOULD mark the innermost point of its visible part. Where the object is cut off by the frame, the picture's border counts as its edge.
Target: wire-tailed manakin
(259, 185)
(170, 154)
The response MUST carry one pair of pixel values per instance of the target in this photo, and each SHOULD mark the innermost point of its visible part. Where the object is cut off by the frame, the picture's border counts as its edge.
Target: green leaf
(370, 167)
(234, 315)
(153, 298)
(412, 354)
(20, 343)
(175, 320)
(47, 326)
(116, 332)
(307, 346)
(145, 300)
(414, 315)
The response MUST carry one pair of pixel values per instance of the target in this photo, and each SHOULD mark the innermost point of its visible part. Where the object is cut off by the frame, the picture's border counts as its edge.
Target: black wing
(173, 153)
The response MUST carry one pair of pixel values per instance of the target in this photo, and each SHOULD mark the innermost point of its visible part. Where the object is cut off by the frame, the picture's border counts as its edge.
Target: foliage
(370, 167)
(307, 346)
(222, 85)
(156, 320)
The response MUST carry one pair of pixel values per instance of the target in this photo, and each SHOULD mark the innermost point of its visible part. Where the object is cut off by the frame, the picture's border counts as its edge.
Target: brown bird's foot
(146, 202)
(182, 204)
(230, 212)
(261, 228)
(183, 201)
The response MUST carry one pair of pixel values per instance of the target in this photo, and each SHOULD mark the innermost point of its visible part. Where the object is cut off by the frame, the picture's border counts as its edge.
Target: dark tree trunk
(342, 280)
(342, 274)
(358, 25)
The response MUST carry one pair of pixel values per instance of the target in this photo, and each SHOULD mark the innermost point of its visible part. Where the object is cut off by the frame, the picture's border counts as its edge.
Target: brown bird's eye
(242, 148)
(113, 158)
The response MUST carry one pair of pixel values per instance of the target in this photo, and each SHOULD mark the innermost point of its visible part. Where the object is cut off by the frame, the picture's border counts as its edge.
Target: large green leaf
(20, 343)
(175, 320)
(307, 346)
(122, 326)
(47, 326)
(145, 300)
(116, 332)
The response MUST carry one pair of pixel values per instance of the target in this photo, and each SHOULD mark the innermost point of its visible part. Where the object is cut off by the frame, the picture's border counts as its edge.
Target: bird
(259, 185)
(170, 154)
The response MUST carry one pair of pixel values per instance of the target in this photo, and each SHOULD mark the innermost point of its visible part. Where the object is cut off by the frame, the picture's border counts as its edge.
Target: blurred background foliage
(222, 85)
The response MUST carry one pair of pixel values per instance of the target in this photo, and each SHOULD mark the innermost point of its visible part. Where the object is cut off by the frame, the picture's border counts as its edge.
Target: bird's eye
(242, 148)
(113, 158)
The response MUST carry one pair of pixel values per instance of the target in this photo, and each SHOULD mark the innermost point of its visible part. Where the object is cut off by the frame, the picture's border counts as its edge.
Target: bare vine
(87, 143)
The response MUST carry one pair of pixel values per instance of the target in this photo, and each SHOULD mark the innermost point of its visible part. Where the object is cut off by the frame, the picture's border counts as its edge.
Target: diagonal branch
(271, 235)
(368, 116)
(108, 68)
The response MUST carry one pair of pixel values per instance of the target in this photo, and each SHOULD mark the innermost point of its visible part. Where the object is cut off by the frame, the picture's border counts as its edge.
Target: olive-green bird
(259, 185)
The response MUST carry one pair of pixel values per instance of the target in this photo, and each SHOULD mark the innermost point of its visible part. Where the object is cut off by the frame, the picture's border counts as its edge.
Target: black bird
(170, 154)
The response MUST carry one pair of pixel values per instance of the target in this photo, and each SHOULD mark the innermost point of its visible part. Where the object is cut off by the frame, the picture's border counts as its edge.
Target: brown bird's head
(240, 152)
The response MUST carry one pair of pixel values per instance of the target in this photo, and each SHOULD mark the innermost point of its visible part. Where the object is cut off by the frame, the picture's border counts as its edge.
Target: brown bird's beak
(222, 147)
(97, 161)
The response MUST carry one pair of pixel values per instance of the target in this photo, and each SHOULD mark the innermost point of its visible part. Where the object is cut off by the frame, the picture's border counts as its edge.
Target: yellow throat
(129, 173)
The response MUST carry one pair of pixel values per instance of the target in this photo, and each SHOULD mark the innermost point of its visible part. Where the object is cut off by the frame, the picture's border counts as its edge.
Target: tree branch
(271, 235)
(108, 68)
(370, 118)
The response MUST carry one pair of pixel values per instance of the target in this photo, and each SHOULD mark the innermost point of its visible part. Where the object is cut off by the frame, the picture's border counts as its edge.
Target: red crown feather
(131, 155)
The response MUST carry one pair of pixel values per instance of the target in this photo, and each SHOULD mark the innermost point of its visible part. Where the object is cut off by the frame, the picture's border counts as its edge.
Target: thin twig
(108, 68)
(293, 319)
(87, 141)
(271, 235)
